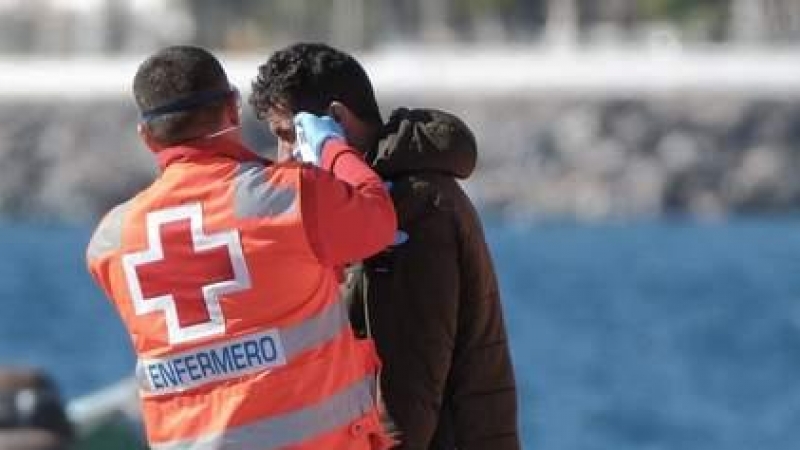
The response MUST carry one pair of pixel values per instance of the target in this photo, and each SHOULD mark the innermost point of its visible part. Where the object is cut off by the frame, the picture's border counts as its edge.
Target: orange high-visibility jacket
(242, 340)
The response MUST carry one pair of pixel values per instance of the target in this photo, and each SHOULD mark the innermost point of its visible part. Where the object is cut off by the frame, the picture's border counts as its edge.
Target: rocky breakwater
(539, 157)
(601, 159)
(72, 161)
(68, 160)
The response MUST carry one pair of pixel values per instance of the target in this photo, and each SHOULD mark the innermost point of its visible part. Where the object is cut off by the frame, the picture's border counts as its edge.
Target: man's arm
(107, 238)
(481, 397)
(348, 213)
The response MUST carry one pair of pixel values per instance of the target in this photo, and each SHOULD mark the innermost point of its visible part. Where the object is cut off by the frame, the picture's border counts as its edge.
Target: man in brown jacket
(431, 299)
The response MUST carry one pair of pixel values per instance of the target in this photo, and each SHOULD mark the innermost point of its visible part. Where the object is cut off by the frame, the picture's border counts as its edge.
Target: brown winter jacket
(433, 300)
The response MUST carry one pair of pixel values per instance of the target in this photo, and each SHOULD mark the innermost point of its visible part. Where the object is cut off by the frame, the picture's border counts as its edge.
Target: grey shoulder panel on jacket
(256, 197)
(108, 235)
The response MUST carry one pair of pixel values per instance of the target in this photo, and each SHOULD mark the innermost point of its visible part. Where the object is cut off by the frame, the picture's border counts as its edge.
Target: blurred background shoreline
(701, 141)
(584, 110)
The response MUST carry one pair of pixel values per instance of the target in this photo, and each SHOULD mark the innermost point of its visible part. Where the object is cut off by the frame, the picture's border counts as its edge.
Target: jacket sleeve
(481, 391)
(348, 213)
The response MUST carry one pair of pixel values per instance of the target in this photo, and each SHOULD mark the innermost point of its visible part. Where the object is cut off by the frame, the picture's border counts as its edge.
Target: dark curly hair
(308, 77)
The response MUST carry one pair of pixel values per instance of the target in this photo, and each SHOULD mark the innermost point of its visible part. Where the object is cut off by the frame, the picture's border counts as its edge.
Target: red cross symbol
(185, 271)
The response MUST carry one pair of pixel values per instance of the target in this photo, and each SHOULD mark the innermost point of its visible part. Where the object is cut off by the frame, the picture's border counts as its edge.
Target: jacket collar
(208, 148)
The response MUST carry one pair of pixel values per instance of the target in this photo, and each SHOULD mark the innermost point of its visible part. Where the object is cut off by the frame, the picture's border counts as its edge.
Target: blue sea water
(662, 335)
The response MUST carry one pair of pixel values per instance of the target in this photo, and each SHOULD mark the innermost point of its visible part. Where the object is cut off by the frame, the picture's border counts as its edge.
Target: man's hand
(312, 132)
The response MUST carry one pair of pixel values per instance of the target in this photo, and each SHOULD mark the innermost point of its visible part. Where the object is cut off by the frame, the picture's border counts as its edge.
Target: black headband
(186, 103)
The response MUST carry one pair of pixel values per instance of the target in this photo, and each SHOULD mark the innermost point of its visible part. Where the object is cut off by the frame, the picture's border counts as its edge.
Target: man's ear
(143, 131)
(357, 133)
(340, 113)
(147, 136)
(234, 109)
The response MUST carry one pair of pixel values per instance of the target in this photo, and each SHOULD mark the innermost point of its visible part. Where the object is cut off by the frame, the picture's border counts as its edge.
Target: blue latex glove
(311, 133)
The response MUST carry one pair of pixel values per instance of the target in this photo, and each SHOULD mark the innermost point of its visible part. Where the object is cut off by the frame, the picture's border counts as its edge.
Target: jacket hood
(426, 140)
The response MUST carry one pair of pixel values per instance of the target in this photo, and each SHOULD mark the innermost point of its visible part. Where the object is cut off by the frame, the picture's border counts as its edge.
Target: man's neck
(222, 145)
(371, 137)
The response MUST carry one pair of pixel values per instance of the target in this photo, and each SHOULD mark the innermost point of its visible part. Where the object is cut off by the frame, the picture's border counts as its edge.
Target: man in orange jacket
(225, 272)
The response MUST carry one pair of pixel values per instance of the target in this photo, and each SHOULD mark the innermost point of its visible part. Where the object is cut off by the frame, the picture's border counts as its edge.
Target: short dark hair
(173, 74)
(308, 77)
